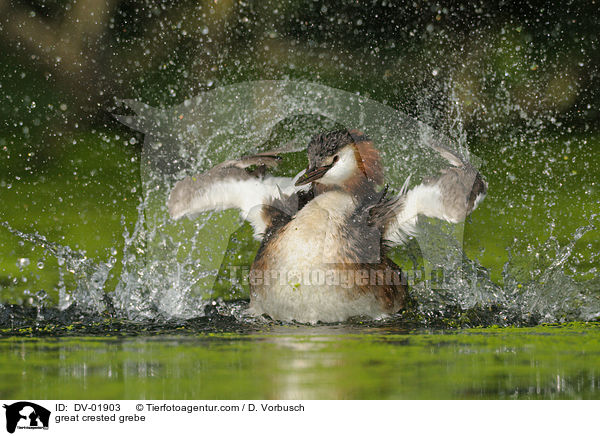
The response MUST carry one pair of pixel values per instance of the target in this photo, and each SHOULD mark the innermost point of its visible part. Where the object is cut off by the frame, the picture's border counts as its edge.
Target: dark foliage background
(506, 60)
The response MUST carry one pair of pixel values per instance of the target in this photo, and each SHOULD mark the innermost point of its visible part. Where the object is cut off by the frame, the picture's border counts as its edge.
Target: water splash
(552, 295)
(465, 295)
(88, 275)
(172, 271)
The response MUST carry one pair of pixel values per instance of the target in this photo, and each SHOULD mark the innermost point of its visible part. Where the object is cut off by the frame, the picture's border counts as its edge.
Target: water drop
(23, 262)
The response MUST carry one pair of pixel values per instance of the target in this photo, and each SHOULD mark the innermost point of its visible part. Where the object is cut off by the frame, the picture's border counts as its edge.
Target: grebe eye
(336, 158)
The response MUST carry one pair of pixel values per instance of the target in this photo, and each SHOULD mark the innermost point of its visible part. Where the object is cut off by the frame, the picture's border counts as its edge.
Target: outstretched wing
(232, 185)
(451, 196)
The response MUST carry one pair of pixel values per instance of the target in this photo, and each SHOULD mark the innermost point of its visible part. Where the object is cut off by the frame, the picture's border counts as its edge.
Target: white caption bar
(89, 418)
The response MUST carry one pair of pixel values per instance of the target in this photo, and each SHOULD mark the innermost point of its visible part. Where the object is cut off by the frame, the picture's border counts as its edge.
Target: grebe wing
(451, 196)
(233, 185)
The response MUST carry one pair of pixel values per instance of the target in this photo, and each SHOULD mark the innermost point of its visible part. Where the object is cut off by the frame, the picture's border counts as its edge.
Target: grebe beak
(312, 175)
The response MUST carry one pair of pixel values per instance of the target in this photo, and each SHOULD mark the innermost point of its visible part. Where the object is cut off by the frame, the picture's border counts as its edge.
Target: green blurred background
(525, 75)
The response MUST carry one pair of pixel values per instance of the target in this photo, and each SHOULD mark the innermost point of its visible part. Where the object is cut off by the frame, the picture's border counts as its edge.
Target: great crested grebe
(325, 232)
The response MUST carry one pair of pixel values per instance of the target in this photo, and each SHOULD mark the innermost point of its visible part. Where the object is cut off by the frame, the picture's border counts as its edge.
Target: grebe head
(343, 158)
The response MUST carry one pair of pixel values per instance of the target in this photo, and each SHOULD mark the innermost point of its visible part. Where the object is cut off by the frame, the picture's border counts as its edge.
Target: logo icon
(26, 415)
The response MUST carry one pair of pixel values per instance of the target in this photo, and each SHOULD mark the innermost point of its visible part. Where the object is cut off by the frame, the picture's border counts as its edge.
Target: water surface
(308, 362)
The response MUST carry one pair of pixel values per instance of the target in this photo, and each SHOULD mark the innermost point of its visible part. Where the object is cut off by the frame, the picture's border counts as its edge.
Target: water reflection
(325, 362)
